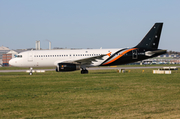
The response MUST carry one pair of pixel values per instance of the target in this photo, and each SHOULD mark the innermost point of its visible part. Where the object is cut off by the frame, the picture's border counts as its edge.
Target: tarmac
(96, 68)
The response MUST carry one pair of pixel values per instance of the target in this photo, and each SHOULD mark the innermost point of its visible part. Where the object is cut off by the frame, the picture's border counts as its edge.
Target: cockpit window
(18, 56)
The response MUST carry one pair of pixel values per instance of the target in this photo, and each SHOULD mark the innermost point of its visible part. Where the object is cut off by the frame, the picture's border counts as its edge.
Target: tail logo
(109, 54)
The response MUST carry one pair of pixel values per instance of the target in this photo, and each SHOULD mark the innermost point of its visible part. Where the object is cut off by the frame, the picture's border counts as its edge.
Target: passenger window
(19, 56)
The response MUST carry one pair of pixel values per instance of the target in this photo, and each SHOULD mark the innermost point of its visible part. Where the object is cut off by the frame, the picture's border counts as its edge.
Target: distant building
(164, 59)
(3, 50)
(13, 53)
(1, 62)
(7, 57)
(20, 50)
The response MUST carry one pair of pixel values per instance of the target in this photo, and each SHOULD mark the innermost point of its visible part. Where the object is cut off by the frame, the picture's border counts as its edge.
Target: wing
(84, 61)
(89, 60)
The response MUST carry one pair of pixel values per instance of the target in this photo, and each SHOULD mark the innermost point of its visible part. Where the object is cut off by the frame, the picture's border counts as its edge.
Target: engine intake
(67, 67)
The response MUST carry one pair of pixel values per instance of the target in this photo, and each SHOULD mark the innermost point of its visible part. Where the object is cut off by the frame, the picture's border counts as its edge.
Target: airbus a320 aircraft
(71, 60)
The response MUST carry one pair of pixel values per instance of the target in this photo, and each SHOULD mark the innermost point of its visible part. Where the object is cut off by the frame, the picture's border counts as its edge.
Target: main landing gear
(30, 73)
(84, 71)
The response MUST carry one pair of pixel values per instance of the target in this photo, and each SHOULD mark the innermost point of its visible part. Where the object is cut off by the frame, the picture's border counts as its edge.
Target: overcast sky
(87, 23)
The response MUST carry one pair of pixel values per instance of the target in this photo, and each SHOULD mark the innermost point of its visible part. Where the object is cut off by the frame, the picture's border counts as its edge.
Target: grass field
(99, 94)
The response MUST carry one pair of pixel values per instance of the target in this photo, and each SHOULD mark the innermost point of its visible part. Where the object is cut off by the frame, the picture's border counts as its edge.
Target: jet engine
(67, 67)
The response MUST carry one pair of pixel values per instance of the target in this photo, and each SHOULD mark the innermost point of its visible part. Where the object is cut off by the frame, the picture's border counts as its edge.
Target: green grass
(99, 94)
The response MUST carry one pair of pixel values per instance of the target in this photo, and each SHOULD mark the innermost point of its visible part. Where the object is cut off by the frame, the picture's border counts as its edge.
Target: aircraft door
(30, 56)
(134, 54)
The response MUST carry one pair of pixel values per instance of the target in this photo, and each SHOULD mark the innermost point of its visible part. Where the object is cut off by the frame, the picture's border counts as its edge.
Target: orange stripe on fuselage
(119, 56)
(109, 54)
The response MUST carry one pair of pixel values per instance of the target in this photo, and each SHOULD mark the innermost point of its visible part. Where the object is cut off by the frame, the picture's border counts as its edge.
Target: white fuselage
(48, 58)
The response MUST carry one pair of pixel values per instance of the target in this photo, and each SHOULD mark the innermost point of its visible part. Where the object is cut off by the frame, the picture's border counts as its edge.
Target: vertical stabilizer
(151, 40)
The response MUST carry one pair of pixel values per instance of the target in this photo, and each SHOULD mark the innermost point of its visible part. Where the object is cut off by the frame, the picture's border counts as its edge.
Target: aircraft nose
(12, 62)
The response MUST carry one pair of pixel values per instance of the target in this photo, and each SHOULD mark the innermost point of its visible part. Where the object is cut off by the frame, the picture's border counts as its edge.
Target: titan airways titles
(71, 60)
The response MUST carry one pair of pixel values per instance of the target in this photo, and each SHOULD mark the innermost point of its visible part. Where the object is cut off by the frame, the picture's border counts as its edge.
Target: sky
(87, 23)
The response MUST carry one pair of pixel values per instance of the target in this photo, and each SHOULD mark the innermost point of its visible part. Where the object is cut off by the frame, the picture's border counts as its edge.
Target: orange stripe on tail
(119, 56)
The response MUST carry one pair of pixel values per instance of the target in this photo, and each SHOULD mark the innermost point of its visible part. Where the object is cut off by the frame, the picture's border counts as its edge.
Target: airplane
(71, 60)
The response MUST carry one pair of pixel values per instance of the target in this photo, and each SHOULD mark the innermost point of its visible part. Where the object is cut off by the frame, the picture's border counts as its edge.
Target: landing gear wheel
(84, 71)
(31, 70)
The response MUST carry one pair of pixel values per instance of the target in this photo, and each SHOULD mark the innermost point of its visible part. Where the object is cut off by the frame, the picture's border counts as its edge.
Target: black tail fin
(151, 40)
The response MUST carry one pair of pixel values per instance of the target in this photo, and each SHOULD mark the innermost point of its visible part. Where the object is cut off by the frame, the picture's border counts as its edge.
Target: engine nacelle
(67, 67)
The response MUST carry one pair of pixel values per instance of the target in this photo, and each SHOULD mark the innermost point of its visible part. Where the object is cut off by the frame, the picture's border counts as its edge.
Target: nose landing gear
(31, 73)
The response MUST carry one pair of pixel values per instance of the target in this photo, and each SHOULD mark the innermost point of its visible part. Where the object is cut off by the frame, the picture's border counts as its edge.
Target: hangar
(5, 55)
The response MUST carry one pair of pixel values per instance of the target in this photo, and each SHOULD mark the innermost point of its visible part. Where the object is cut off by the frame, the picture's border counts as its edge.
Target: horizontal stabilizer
(150, 53)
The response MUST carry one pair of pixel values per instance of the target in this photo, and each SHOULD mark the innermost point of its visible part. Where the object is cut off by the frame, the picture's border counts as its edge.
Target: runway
(96, 68)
